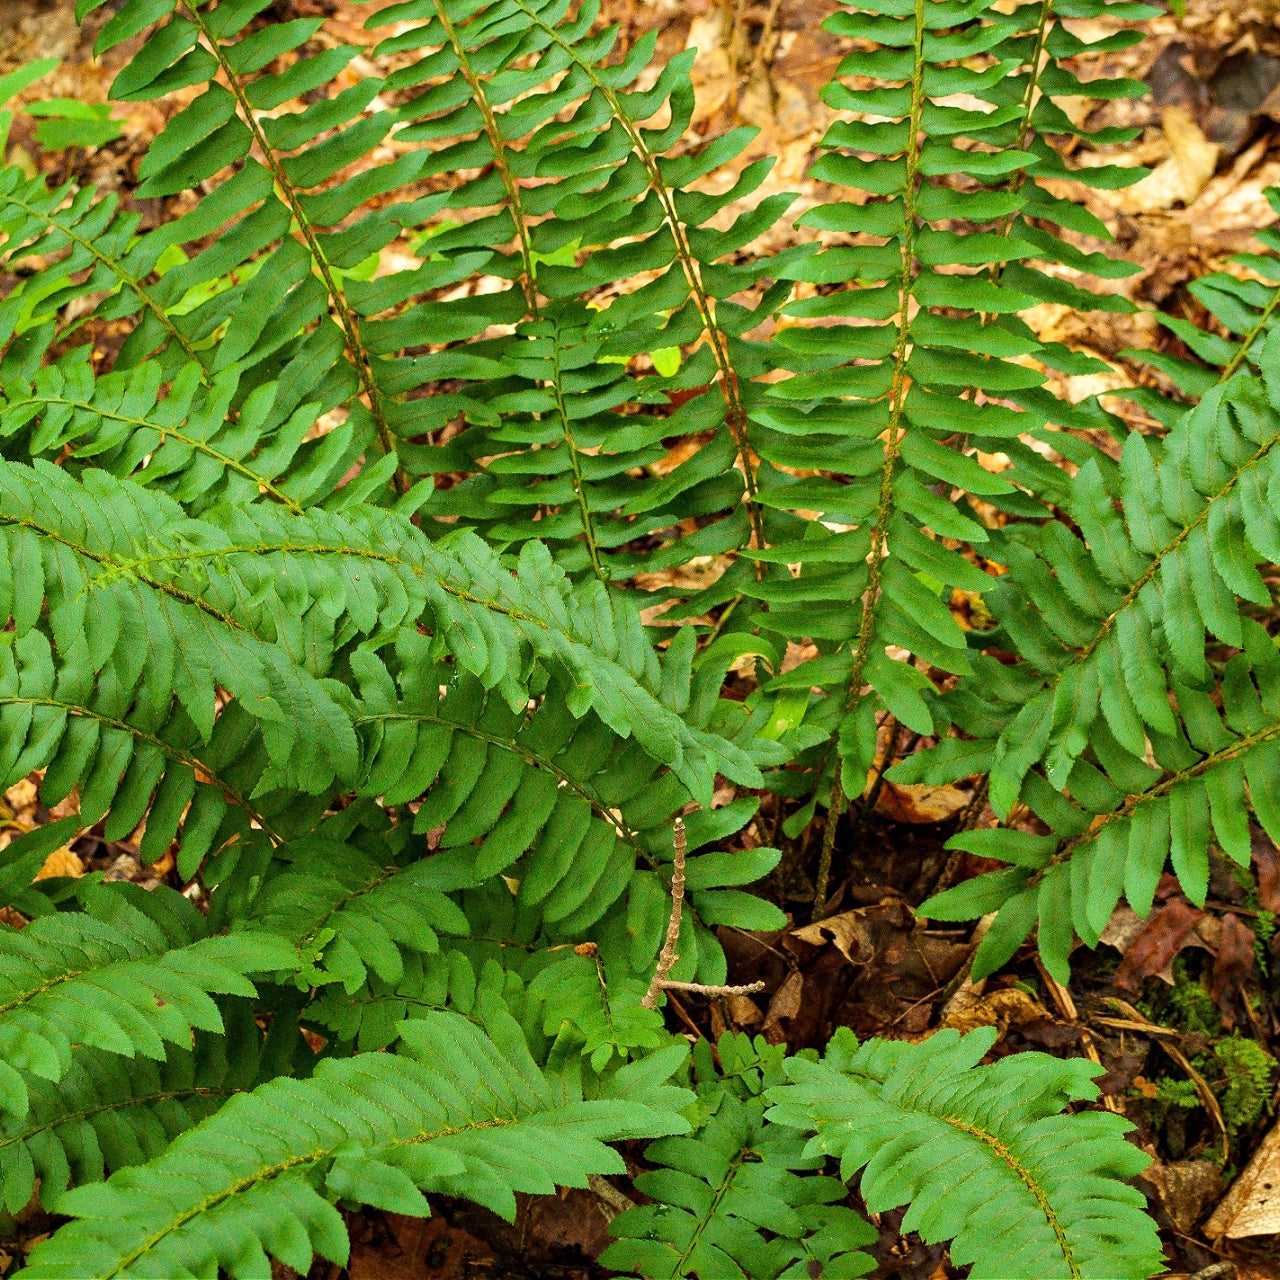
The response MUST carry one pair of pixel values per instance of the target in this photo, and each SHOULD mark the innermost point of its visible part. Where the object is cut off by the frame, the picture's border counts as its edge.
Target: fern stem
(707, 1218)
(575, 464)
(835, 807)
(135, 286)
(200, 446)
(1037, 1192)
(1135, 589)
(280, 548)
(499, 147)
(346, 318)
(160, 744)
(123, 1104)
(897, 390)
(532, 758)
(1019, 176)
(667, 957)
(735, 413)
(1243, 744)
(1251, 337)
(528, 274)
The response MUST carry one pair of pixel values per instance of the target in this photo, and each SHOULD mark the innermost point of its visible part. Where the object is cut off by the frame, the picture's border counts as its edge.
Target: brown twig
(667, 957)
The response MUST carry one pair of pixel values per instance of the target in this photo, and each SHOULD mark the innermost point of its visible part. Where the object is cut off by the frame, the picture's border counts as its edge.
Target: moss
(1248, 1070)
(1192, 1005)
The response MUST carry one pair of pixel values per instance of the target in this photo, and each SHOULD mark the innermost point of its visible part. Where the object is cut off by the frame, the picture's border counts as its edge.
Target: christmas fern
(348, 578)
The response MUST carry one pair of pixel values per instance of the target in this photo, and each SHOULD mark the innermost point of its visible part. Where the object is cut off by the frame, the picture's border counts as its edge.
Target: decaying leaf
(1182, 176)
(1002, 1009)
(61, 862)
(848, 931)
(1160, 940)
(1231, 966)
(1251, 1206)
(917, 803)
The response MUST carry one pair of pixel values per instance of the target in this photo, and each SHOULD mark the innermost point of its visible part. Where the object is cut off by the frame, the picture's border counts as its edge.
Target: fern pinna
(346, 577)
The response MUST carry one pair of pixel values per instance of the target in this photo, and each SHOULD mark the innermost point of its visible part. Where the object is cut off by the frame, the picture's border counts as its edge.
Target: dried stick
(667, 957)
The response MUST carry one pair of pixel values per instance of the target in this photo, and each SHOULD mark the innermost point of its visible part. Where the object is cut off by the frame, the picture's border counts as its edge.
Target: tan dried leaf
(61, 862)
(1251, 1206)
(848, 931)
(918, 803)
(1181, 177)
(1010, 1006)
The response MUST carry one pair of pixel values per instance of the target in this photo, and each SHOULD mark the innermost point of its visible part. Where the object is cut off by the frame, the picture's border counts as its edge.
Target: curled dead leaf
(847, 931)
(1010, 1006)
(1181, 177)
(1159, 941)
(919, 804)
(785, 1004)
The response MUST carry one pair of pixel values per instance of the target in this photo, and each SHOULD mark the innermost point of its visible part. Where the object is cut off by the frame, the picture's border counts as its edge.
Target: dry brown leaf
(918, 803)
(1231, 966)
(744, 1011)
(1181, 177)
(1123, 928)
(21, 797)
(1002, 1009)
(1161, 939)
(1186, 1189)
(1251, 1206)
(61, 862)
(848, 931)
(785, 1004)
(712, 74)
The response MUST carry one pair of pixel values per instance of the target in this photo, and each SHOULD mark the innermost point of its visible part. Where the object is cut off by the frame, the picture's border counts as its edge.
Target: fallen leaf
(1185, 1188)
(744, 1011)
(848, 931)
(1231, 966)
(1009, 1006)
(1267, 866)
(1124, 926)
(785, 1004)
(1251, 1206)
(918, 803)
(1183, 175)
(61, 862)
(21, 796)
(1160, 940)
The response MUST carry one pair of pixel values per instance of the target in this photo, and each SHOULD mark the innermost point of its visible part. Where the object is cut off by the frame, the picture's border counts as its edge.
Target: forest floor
(1181, 1009)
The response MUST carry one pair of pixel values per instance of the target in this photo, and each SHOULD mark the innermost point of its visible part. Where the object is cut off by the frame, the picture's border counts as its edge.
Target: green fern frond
(259, 1178)
(201, 445)
(918, 362)
(982, 1155)
(718, 1191)
(131, 973)
(527, 87)
(371, 1018)
(108, 1112)
(1115, 703)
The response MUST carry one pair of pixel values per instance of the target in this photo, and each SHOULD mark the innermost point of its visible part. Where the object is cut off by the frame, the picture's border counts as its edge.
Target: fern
(128, 974)
(470, 1117)
(108, 1112)
(1111, 625)
(338, 580)
(891, 411)
(978, 1152)
(737, 1175)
